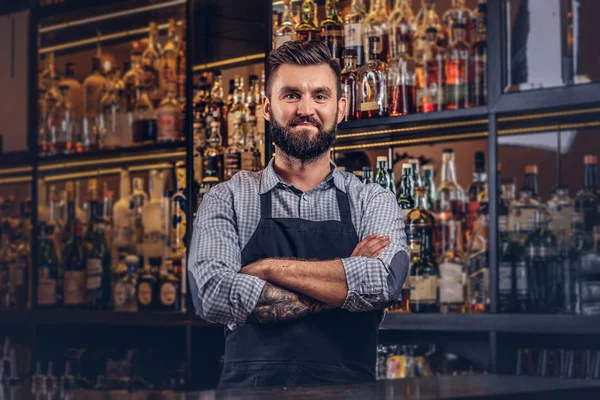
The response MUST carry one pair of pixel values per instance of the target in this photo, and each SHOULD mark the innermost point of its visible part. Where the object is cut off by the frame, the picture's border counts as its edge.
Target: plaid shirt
(230, 213)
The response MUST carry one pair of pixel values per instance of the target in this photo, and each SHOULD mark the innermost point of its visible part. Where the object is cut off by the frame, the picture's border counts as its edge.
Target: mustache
(304, 118)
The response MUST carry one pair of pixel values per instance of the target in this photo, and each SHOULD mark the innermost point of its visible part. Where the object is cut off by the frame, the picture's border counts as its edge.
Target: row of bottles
(228, 133)
(446, 231)
(111, 109)
(396, 63)
(127, 256)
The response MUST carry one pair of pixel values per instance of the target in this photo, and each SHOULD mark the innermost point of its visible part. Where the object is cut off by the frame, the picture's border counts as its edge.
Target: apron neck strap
(265, 205)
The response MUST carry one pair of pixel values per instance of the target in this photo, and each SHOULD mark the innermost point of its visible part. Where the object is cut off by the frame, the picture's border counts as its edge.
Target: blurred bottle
(94, 87)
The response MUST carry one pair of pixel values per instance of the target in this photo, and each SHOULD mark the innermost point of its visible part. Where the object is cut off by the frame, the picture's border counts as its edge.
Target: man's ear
(342, 104)
(266, 106)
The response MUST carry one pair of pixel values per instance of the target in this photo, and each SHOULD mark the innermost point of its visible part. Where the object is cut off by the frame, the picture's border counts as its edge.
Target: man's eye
(321, 97)
(290, 96)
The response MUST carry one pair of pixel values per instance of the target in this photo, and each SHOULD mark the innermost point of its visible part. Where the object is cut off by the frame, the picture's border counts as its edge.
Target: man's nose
(305, 106)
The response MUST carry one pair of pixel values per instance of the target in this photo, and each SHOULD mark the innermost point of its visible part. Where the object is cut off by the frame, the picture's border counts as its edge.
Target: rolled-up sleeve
(220, 294)
(377, 282)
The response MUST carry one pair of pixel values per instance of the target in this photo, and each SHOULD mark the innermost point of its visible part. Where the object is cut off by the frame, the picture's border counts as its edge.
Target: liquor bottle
(237, 110)
(477, 265)
(146, 289)
(354, 31)
(43, 212)
(372, 83)
(47, 268)
(544, 272)
(561, 209)
(307, 29)
(233, 153)
(523, 210)
(479, 59)
(428, 17)
(286, 30)
(47, 76)
(348, 80)
(449, 214)
(457, 66)
(392, 182)
(94, 87)
(376, 25)
(132, 79)
(429, 73)
(402, 28)
(406, 200)
(253, 101)
(178, 216)
(428, 182)
(414, 164)
(137, 200)
(144, 124)
(367, 175)
(74, 266)
(477, 192)
(92, 216)
(457, 14)
(332, 30)
(169, 116)
(213, 160)
(424, 274)
(151, 63)
(7, 265)
(401, 80)
(218, 109)
(98, 268)
(169, 289)
(80, 213)
(75, 93)
(182, 63)
(169, 59)
(382, 177)
(62, 123)
(69, 224)
(121, 216)
(109, 121)
(154, 236)
(124, 292)
(587, 202)
(249, 147)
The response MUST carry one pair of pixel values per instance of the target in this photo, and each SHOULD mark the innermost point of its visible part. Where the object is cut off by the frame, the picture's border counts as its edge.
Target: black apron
(330, 347)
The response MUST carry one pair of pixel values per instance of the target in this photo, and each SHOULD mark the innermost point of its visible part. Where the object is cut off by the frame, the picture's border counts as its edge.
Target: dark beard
(299, 145)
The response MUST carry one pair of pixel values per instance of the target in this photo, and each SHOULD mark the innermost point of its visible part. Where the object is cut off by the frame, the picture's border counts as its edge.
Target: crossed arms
(272, 290)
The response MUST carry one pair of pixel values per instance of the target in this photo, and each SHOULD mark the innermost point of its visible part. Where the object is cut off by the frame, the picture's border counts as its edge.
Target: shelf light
(11, 171)
(18, 179)
(114, 160)
(104, 17)
(280, 2)
(409, 142)
(231, 61)
(106, 172)
(101, 38)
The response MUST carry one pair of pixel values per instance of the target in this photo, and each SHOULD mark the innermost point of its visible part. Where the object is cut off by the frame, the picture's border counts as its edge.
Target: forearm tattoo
(277, 304)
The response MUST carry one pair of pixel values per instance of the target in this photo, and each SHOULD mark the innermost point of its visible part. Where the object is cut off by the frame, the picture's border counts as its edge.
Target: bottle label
(423, 288)
(332, 33)
(145, 293)
(167, 294)
(279, 40)
(120, 294)
(74, 287)
(94, 273)
(46, 289)
(522, 283)
(353, 35)
(167, 124)
(505, 278)
(522, 219)
(369, 106)
(170, 69)
(503, 225)
(561, 219)
(451, 283)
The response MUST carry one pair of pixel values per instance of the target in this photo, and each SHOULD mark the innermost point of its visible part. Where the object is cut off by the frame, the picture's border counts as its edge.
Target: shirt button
(305, 197)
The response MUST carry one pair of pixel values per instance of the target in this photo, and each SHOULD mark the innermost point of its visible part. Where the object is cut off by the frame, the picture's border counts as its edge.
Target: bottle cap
(534, 169)
(382, 159)
(448, 150)
(590, 159)
(428, 168)
(407, 166)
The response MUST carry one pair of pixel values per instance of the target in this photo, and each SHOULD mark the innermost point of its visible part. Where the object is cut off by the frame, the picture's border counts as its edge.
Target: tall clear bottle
(137, 201)
(169, 59)
(121, 215)
(237, 110)
(522, 212)
(74, 266)
(479, 59)
(402, 28)
(62, 123)
(287, 29)
(98, 269)
(133, 77)
(401, 79)
(429, 59)
(372, 83)
(178, 216)
(376, 25)
(152, 66)
(406, 200)
(449, 215)
(382, 178)
(457, 69)
(94, 87)
(477, 192)
(354, 37)
(429, 183)
(110, 128)
(307, 29)
(233, 153)
(155, 247)
(144, 125)
(349, 92)
(214, 154)
(169, 116)
(332, 30)
(250, 149)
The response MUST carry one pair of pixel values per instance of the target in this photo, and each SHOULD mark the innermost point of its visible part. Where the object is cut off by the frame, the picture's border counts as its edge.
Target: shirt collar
(270, 179)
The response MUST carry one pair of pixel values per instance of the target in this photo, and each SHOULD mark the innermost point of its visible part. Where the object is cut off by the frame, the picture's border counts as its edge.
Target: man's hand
(371, 246)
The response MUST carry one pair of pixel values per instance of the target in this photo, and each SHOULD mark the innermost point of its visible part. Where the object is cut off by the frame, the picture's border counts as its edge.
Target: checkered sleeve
(376, 282)
(220, 294)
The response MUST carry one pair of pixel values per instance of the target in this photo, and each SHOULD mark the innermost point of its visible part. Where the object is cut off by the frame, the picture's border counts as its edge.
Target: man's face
(303, 110)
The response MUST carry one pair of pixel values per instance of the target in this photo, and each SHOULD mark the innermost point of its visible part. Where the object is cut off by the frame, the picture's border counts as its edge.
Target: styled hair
(312, 52)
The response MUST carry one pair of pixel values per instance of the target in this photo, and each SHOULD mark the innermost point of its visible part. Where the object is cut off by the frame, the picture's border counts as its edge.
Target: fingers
(360, 245)
(375, 246)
